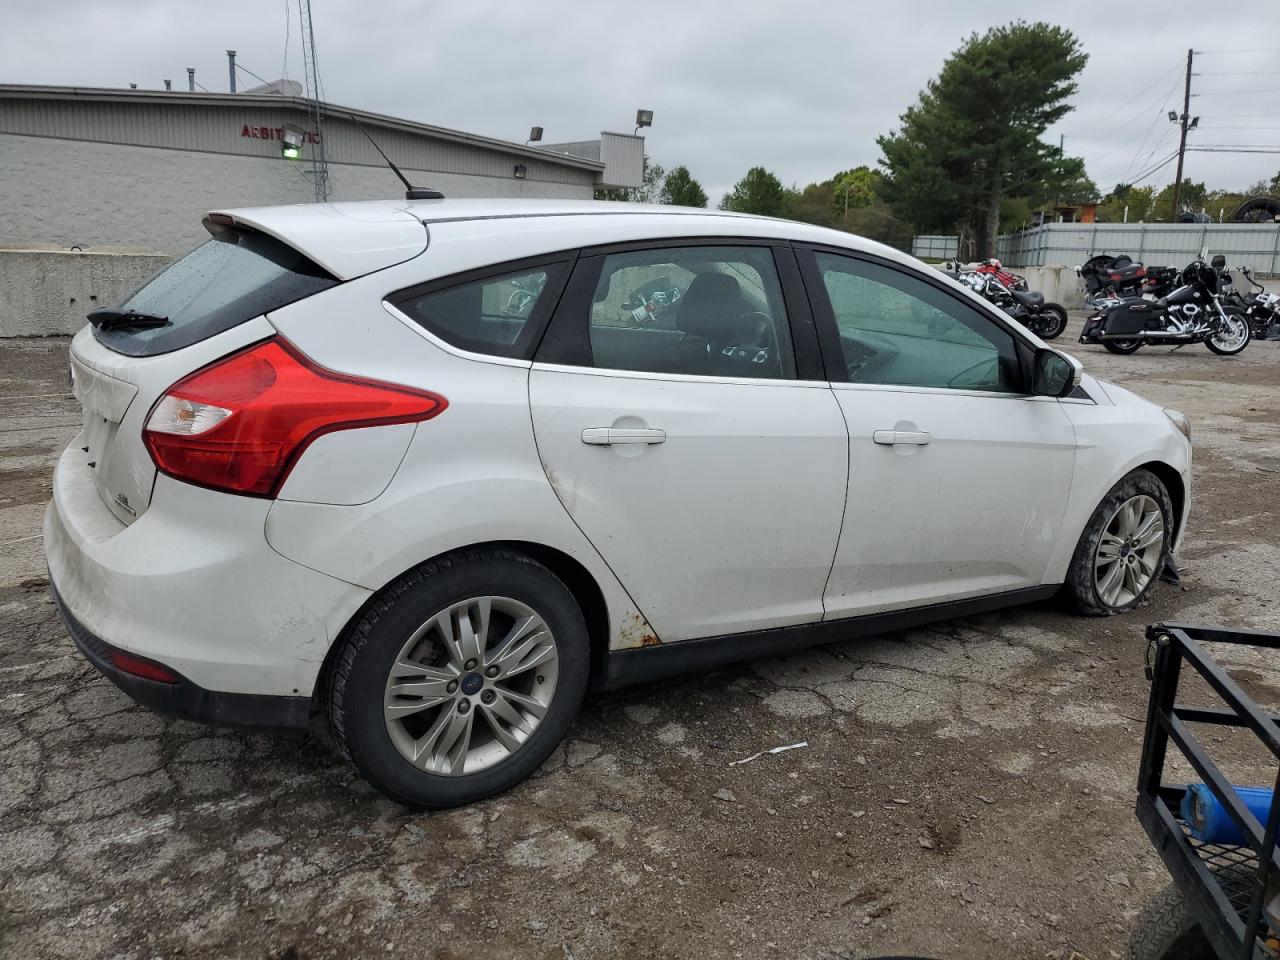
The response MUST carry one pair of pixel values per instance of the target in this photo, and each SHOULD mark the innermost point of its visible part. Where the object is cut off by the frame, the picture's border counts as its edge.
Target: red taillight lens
(240, 424)
(141, 667)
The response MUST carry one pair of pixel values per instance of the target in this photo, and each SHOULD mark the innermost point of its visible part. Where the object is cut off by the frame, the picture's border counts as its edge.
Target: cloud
(802, 88)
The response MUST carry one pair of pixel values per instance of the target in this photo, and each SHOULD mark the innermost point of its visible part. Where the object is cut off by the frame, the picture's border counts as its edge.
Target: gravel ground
(966, 791)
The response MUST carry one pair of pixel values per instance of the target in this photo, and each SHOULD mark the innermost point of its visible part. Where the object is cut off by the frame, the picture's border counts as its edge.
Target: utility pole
(1182, 142)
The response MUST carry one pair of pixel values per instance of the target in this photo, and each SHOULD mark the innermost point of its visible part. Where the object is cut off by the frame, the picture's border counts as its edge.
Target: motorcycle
(1192, 313)
(1045, 320)
(1261, 308)
(1108, 279)
(994, 267)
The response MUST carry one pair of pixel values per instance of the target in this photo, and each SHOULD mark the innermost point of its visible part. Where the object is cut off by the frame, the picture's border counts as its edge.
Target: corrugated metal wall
(928, 247)
(1254, 245)
(214, 128)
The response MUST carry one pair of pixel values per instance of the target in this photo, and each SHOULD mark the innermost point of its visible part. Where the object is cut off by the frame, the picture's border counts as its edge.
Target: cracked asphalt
(966, 790)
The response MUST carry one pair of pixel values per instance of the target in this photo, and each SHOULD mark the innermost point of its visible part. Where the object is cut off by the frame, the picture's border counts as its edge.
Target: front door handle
(608, 436)
(891, 437)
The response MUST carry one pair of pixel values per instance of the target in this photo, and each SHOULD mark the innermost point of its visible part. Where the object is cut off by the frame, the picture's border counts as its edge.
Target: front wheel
(1231, 336)
(1123, 548)
(459, 679)
(1053, 320)
(1122, 346)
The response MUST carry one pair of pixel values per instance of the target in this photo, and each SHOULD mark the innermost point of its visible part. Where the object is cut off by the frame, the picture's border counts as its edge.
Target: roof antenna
(410, 191)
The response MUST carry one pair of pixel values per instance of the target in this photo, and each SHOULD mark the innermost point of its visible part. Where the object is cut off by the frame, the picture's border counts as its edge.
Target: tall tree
(758, 192)
(648, 191)
(681, 190)
(974, 135)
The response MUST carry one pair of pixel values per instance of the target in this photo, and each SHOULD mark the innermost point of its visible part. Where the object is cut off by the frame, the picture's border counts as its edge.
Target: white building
(94, 167)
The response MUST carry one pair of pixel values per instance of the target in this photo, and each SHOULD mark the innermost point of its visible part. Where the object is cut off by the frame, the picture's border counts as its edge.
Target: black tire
(357, 680)
(1053, 320)
(1080, 589)
(1248, 335)
(1166, 930)
(1122, 346)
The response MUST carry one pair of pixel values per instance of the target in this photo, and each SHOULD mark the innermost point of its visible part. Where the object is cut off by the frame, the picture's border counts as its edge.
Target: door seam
(844, 511)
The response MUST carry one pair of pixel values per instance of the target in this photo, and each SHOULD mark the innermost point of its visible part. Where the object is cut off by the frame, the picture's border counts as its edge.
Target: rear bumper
(194, 585)
(184, 699)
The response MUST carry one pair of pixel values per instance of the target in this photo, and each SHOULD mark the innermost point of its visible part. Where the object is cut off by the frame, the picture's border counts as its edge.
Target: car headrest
(714, 308)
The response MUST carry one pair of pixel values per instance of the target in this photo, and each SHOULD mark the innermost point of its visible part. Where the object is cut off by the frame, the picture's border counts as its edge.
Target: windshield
(231, 278)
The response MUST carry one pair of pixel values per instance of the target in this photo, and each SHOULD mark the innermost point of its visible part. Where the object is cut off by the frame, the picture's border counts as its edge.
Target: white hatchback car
(434, 468)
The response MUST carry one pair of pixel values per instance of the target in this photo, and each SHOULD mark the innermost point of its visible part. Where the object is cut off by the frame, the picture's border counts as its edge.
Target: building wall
(65, 192)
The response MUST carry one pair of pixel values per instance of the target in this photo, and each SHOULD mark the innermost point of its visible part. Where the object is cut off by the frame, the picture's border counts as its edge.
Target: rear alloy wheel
(1122, 346)
(460, 679)
(1123, 548)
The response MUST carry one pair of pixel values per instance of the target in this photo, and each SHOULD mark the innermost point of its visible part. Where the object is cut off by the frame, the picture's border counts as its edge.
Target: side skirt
(623, 668)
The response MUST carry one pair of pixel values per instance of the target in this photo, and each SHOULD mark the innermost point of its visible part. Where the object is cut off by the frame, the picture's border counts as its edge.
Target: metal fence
(1254, 245)
(934, 247)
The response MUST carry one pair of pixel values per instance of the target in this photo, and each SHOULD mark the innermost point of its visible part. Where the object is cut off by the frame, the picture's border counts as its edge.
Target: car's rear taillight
(241, 423)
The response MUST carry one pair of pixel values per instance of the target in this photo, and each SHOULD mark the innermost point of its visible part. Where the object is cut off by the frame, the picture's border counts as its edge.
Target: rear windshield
(233, 277)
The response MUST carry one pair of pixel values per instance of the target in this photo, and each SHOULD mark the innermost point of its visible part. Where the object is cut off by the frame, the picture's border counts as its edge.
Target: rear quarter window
(500, 314)
(233, 277)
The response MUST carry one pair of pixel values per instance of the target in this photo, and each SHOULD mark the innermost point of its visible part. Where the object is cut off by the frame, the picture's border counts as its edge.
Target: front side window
(490, 315)
(899, 330)
(695, 310)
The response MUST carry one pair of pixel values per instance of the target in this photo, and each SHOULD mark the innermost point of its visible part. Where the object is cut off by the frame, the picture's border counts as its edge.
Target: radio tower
(311, 78)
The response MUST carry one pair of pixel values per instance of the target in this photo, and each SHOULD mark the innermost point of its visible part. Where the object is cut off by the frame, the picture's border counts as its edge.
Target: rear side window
(233, 277)
(498, 314)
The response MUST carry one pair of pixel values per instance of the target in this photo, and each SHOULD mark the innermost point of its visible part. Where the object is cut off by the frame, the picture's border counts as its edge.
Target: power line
(1236, 93)
(1235, 149)
(1163, 163)
(1255, 50)
(1130, 102)
(1155, 118)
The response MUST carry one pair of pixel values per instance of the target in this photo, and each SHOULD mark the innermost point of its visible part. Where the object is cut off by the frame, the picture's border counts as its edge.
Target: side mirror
(1055, 374)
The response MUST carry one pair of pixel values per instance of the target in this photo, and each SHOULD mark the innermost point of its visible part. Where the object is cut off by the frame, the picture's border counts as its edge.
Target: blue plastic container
(1209, 820)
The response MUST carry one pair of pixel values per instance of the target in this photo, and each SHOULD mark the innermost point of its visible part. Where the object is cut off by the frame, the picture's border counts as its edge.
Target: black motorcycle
(1108, 279)
(1193, 313)
(1045, 320)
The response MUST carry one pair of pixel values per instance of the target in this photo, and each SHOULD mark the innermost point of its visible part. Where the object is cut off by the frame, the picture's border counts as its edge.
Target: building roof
(19, 91)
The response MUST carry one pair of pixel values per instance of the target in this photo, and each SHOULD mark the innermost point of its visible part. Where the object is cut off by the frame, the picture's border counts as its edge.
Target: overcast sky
(802, 88)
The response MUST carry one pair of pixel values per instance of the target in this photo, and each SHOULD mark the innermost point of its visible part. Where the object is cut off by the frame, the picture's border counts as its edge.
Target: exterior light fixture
(1195, 122)
(535, 134)
(1173, 116)
(520, 172)
(291, 142)
(644, 118)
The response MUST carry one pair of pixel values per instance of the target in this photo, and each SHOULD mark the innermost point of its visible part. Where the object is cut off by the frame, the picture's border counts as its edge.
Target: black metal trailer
(1217, 906)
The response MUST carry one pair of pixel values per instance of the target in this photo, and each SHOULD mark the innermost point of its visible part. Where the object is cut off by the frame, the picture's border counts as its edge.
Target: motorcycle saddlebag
(1130, 319)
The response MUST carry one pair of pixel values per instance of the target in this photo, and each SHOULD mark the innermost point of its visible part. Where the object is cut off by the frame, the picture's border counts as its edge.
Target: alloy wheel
(1129, 551)
(470, 685)
(1231, 333)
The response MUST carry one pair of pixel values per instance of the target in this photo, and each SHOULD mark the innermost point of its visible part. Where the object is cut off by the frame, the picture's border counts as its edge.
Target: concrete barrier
(47, 292)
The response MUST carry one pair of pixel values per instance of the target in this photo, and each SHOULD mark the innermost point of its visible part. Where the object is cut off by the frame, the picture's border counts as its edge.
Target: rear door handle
(608, 436)
(890, 437)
